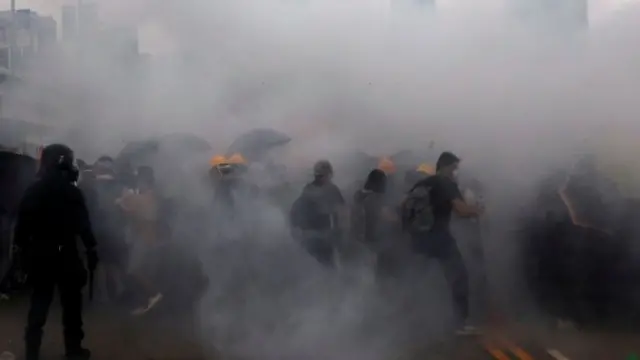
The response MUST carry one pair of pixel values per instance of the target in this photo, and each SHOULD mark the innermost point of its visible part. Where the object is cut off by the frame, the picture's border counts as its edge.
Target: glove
(92, 259)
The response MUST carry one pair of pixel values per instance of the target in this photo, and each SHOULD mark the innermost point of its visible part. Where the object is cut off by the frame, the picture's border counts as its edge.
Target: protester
(373, 222)
(318, 215)
(142, 208)
(51, 215)
(109, 225)
(427, 216)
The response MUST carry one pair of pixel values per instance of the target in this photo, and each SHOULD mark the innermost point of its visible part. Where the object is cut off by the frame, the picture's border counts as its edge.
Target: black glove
(92, 259)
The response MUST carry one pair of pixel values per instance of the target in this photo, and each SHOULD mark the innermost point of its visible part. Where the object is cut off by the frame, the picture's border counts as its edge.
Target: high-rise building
(566, 15)
(25, 33)
(69, 23)
(88, 21)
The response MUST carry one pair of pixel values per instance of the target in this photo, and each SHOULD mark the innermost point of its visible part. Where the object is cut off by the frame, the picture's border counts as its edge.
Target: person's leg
(71, 301)
(457, 277)
(145, 276)
(41, 298)
(320, 248)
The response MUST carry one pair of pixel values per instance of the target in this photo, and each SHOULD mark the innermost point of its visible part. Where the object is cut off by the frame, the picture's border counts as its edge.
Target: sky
(152, 36)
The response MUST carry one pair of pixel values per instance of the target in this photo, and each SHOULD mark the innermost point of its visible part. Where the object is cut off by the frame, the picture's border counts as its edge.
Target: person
(373, 222)
(142, 207)
(434, 240)
(317, 213)
(51, 216)
(109, 224)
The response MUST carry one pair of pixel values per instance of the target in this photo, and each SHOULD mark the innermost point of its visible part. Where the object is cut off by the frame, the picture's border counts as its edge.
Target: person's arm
(460, 207)
(24, 222)
(85, 231)
(342, 210)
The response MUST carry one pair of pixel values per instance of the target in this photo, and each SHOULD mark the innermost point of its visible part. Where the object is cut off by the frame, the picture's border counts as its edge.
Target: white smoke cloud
(340, 76)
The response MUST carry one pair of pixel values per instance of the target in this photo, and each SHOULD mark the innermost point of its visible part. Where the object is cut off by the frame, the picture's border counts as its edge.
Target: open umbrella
(255, 142)
(139, 152)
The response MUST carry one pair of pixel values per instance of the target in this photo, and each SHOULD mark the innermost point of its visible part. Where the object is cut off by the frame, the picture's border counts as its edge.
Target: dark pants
(69, 283)
(443, 247)
(320, 245)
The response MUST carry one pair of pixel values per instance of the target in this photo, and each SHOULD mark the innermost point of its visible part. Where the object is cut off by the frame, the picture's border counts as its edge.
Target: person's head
(376, 181)
(323, 171)
(104, 165)
(58, 159)
(145, 178)
(447, 164)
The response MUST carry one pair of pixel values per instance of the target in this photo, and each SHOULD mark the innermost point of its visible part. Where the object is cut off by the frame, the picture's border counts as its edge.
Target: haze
(340, 76)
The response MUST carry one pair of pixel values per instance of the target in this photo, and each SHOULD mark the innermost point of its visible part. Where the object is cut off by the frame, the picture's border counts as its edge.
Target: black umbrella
(255, 142)
(139, 151)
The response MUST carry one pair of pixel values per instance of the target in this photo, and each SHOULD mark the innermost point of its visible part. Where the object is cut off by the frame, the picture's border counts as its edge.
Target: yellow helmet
(385, 164)
(426, 169)
(218, 160)
(237, 159)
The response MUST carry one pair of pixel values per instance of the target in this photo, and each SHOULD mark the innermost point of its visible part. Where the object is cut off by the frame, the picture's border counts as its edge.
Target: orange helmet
(426, 169)
(385, 164)
(237, 159)
(217, 160)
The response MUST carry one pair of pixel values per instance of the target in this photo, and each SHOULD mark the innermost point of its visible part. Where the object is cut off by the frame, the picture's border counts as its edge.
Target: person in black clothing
(438, 242)
(374, 222)
(109, 225)
(316, 215)
(52, 214)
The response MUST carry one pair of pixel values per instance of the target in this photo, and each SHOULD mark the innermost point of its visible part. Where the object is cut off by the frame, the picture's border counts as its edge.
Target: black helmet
(57, 157)
(322, 168)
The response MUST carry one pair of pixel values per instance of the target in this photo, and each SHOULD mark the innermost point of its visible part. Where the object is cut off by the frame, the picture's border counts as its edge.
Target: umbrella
(254, 142)
(140, 151)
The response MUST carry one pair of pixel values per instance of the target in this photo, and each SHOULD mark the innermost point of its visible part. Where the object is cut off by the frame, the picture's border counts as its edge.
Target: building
(555, 15)
(69, 18)
(89, 25)
(22, 34)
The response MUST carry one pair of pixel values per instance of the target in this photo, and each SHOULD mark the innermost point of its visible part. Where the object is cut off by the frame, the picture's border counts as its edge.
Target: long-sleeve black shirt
(51, 216)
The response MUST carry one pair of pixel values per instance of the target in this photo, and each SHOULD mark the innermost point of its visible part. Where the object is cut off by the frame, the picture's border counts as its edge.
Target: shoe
(78, 354)
(468, 330)
(153, 301)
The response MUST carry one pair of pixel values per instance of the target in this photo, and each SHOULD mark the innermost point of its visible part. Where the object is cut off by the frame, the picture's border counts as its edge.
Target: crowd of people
(125, 224)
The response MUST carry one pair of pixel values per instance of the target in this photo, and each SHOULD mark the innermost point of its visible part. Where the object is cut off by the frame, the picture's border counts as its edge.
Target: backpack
(416, 212)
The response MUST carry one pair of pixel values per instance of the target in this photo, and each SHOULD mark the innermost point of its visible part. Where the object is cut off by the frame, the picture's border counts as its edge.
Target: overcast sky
(152, 36)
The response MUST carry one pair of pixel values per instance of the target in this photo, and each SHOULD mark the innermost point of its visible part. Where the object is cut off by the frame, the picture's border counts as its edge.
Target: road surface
(114, 335)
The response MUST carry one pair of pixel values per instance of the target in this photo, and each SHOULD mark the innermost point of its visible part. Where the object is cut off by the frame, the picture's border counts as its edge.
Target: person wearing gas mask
(52, 215)
(428, 220)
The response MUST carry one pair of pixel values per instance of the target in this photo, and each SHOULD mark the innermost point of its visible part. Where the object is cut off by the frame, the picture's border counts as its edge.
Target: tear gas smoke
(338, 77)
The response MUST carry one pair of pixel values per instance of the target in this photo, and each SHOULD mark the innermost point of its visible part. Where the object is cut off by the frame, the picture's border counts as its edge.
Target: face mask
(455, 174)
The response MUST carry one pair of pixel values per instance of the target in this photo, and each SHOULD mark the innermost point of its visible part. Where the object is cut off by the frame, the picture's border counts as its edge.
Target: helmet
(58, 157)
(322, 168)
(385, 164)
(218, 160)
(426, 169)
(237, 159)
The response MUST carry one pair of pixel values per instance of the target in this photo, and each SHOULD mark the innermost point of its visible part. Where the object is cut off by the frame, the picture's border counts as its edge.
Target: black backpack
(416, 211)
